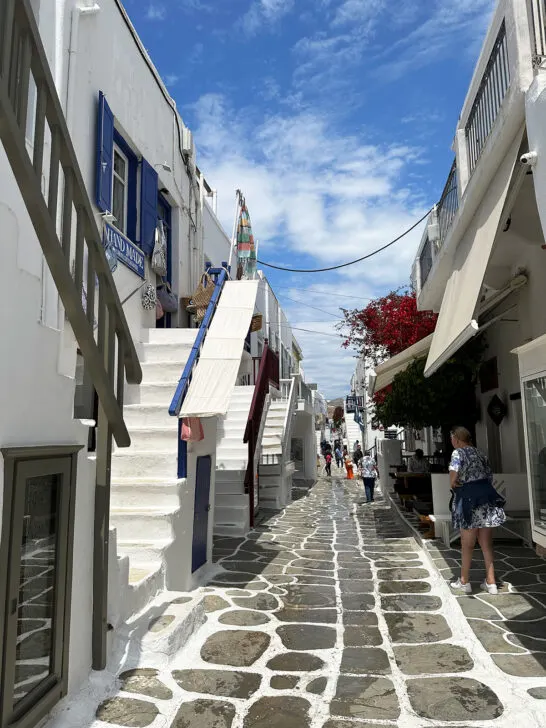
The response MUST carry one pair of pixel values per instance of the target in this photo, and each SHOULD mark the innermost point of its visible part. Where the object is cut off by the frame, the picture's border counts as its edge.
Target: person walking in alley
(328, 467)
(368, 470)
(357, 454)
(348, 466)
(339, 456)
(476, 509)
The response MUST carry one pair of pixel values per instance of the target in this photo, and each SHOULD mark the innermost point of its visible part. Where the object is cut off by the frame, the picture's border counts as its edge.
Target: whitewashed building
(481, 263)
(104, 507)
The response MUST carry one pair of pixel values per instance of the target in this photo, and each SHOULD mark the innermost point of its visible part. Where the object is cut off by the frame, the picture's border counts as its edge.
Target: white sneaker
(459, 586)
(491, 588)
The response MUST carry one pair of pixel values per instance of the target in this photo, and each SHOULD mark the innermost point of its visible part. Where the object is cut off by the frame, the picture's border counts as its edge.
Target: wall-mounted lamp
(164, 166)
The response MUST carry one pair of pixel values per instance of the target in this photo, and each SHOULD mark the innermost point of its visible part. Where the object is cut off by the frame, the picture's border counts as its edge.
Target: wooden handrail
(268, 373)
(22, 57)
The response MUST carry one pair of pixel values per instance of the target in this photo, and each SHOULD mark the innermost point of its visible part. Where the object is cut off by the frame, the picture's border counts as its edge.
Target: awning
(215, 375)
(456, 323)
(386, 372)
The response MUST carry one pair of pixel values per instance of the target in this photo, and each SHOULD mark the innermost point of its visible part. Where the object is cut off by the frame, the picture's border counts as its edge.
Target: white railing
(289, 416)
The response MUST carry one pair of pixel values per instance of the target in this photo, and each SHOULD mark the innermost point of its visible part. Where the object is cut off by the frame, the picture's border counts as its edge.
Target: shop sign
(126, 251)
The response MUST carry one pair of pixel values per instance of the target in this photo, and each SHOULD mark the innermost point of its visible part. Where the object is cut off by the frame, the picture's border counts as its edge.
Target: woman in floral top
(477, 507)
(368, 471)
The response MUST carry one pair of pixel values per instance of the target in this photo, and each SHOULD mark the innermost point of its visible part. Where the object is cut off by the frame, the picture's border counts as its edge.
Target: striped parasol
(246, 248)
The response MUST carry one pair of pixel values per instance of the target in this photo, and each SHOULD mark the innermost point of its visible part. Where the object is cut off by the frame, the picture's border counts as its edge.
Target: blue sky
(335, 118)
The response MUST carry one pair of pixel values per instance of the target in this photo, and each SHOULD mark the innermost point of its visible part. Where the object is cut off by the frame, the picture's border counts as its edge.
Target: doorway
(35, 575)
(201, 512)
(164, 216)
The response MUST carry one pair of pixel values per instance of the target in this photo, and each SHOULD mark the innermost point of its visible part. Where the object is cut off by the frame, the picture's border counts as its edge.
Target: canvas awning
(386, 372)
(215, 375)
(457, 320)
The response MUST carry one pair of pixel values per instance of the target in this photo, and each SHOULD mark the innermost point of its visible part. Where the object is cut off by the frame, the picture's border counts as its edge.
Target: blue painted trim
(132, 185)
(182, 453)
(104, 155)
(221, 276)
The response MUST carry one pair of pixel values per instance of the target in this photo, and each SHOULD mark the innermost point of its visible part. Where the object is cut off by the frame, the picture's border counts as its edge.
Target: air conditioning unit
(188, 148)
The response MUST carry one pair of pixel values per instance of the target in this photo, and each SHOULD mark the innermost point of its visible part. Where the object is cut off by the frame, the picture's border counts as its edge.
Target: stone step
(144, 552)
(146, 581)
(141, 416)
(162, 372)
(231, 461)
(156, 635)
(154, 523)
(127, 463)
(164, 439)
(171, 336)
(166, 352)
(157, 393)
(126, 493)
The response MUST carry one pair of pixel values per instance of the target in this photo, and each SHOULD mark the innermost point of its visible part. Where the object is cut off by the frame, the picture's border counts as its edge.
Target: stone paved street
(330, 616)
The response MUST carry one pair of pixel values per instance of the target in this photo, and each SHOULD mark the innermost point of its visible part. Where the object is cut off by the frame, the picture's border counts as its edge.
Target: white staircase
(146, 493)
(276, 467)
(353, 430)
(231, 504)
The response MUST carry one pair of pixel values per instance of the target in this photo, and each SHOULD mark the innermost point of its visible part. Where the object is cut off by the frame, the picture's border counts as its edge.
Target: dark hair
(419, 453)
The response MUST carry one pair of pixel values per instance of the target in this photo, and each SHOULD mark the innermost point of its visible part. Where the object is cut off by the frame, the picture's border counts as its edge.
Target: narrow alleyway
(328, 615)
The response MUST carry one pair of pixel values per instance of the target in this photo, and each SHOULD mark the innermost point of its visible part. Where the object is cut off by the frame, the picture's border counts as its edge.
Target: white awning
(456, 322)
(215, 375)
(386, 372)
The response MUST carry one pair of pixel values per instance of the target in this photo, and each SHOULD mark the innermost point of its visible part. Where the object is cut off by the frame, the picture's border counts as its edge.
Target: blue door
(201, 512)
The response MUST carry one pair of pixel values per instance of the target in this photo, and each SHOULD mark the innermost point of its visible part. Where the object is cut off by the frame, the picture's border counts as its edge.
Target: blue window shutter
(148, 207)
(105, 155)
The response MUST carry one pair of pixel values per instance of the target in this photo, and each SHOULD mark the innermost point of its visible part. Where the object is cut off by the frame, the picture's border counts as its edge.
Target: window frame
(132, 208)
(116, 223)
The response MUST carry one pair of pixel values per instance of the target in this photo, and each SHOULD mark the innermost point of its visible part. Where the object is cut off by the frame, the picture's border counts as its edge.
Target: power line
(311, 331)
(350, 262)
(329, 313)
(329, 293)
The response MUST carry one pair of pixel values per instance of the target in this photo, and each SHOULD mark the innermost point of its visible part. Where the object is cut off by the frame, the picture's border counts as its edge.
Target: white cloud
(156, 12)
(314, 191)
(264, 13)
(171, 79)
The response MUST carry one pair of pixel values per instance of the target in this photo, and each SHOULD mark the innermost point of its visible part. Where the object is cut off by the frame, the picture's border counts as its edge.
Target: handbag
(192, 430)
(149, 297)
(159, 312)
(159, 256)
(202, 295)
(167, 298)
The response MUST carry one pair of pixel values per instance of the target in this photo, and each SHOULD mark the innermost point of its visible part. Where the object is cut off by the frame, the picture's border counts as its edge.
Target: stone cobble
(329, 615)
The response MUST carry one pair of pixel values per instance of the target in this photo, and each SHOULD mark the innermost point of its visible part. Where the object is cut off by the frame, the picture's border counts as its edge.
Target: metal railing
(71, 243)
(489, 98)
(220, 276)
(537, 11)
(448, 205)
(425, 261)
(267, 374)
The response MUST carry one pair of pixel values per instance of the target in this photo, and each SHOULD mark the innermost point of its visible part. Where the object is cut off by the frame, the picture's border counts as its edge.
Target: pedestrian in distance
(349, 467)
(328, 459)
(357, 454)
(368, 471)
(476, 508)
(339, 457)
(418, 463)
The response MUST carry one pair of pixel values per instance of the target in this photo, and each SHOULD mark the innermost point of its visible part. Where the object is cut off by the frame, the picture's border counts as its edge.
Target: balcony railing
(538, 30)
(489, 98)
(448, 205)
(425, 261)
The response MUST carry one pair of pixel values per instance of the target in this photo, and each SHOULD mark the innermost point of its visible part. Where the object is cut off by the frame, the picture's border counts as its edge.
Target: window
(120, 185)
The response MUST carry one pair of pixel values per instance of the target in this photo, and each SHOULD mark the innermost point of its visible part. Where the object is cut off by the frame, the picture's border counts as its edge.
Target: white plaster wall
(304, 428)
(37, 402)
(217, 242)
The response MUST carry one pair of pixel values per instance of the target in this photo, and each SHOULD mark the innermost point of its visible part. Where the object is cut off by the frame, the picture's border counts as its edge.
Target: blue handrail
(221, 275)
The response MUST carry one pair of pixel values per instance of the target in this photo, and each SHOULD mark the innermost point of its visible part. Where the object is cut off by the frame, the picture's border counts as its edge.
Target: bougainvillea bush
(386, 326)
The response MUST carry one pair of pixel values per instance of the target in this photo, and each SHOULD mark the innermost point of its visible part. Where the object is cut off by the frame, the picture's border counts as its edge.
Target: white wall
(217, 243)
(304, 429)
